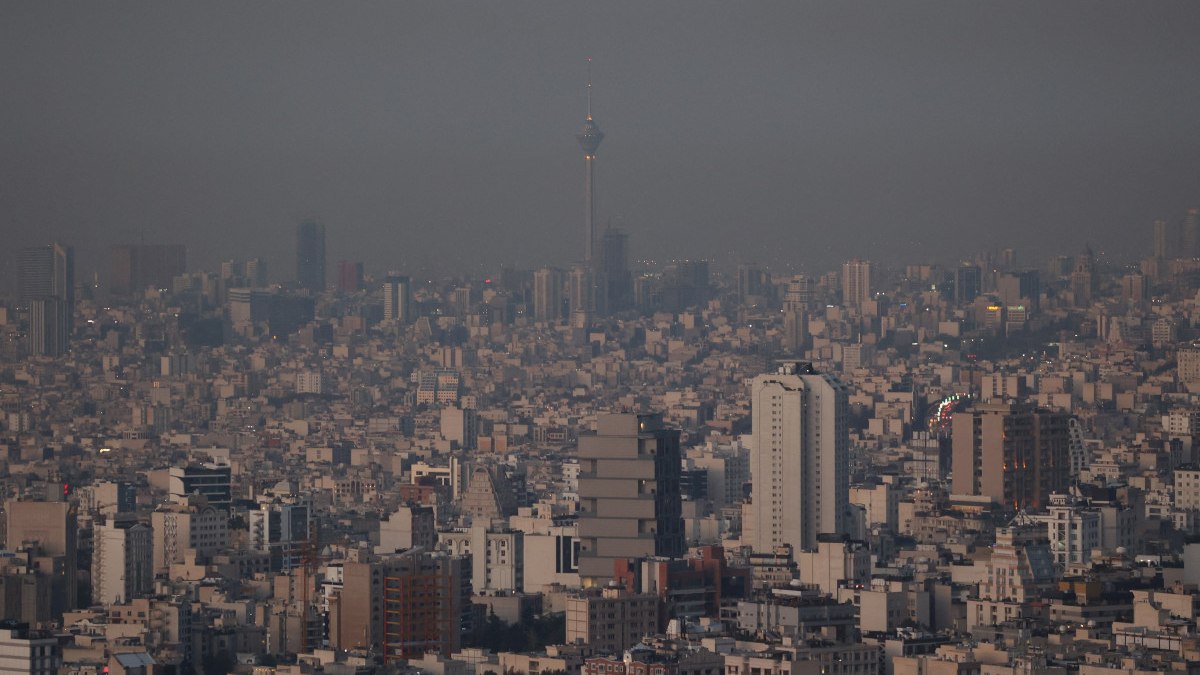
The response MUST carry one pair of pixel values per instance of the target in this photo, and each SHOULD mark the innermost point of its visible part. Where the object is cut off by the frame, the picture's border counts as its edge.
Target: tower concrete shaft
(589, 139)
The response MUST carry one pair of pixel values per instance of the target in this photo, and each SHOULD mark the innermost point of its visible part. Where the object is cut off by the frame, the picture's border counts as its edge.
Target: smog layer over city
(622, 338)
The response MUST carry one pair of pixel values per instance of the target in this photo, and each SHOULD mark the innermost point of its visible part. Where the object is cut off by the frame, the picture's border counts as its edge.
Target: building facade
(310, 255)
(629, 494)
(799, 457)
(1014, 453)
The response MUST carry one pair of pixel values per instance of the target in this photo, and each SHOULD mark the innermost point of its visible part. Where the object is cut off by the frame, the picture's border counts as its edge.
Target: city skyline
(872, 143)
(880, 353)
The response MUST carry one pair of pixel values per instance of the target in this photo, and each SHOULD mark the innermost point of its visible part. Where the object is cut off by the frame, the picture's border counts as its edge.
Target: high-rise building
(1020, 288)
(403, 605)
(1014, 453)
(968, 283)
(614, 268)
(1162, 246)
(350, 276)
(49, 321)
(579, 288)
(310, 255)
(801, 291)
(547, 294)
(48, 530)
(589, 140)
(136, 267)
(122, 561)
(752, 283)
(256, 272)
(46, 272)
(46, 285)
(799, 457)
(397, 298)
(856, 282)
(1083, 278)
(796, 303)
(629, 497)
(1189, 235)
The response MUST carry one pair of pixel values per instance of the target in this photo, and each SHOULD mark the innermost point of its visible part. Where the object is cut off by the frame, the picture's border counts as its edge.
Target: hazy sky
(440, 135)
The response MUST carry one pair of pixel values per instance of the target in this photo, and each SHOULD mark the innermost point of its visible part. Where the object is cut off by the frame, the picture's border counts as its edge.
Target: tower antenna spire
(589, 88)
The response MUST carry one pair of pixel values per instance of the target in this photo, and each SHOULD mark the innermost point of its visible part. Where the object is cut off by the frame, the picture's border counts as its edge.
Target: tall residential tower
(799, 457)
(629, 499)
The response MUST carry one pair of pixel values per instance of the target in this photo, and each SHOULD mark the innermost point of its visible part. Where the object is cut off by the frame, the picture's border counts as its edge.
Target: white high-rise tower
(856, 282)
(799, 457)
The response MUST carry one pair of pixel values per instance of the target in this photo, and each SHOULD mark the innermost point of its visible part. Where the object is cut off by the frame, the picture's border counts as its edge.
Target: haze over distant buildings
(439, 137)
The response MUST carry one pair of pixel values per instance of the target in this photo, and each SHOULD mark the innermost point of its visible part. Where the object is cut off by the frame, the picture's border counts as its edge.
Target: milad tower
(589, 139)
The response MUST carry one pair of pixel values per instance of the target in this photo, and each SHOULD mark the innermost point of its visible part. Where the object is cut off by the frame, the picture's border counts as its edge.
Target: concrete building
(397, 298)
(459, 425)
(835, 561)
(1013, 453)
(856, 282)
(28, 652)
(49, 326)
(191, 525)
(402, 605)
(1188, 363)
(1186, 492)
(310, 255)
(407, 527)
(547, 294)
(49, 531)
(210, 480)
(611, 620)
(799, 457)
(136, 267)
(122, 561)
(497, 556)
(629, 499)
(46, 272)
(281, 527)
(552, 557)
(1074, 530)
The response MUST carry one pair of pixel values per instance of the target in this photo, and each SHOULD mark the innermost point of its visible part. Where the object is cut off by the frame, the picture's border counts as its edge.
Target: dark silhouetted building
(614, 267)
(1189, 235)
(46, 285)
(46, 271)
(350, 277)
(968, 284)
(136, 267)
(310, 255)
